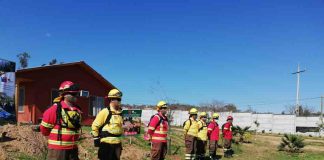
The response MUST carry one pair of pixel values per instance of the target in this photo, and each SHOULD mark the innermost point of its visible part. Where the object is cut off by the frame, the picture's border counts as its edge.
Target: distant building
(37, 87)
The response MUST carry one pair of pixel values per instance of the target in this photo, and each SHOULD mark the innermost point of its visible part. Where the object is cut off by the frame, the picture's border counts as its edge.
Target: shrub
(291, 143)
(237, 130)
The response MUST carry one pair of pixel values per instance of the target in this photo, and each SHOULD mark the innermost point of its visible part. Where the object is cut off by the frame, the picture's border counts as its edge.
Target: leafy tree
(23, 59)
(52, 62)
(237, 130)
(291, 143)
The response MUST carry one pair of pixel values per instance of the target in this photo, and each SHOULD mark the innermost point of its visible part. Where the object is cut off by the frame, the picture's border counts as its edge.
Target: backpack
(107, 122)
(184, 123)
(223, 127)
(201, 128)
(75, 121)
(160, 120)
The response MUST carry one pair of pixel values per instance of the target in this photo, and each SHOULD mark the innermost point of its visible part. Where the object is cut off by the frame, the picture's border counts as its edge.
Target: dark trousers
(159, 150)
(190, 142)
(212, 148)
(109, 151)
(201, 149)
(68, 154)
(227, 144)
(228, 152)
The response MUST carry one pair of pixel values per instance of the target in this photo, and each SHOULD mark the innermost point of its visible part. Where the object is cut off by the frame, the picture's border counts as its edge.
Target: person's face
(194, 116)
(230, 121)
(72, 97)
(164, 110)
(115, 103)
(204, 118)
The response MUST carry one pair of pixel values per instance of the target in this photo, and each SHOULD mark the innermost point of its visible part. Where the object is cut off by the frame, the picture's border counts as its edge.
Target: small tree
(23, 59)
(257, 124)
(291, 143)
(237, 130)
(52, 62)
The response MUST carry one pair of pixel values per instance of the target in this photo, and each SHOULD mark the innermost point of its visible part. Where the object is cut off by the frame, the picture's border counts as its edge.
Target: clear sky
(192, 51)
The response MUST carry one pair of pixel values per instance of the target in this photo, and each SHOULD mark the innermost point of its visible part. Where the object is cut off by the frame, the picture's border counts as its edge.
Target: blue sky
(191, 51)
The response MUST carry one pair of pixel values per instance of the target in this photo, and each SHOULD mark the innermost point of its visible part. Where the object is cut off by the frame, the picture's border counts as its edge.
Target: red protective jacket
(158, 131)
(49, 128)
(227, 130)
(213, 131)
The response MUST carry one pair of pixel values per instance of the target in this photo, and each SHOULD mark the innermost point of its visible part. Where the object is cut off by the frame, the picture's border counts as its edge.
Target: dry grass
(263, 147)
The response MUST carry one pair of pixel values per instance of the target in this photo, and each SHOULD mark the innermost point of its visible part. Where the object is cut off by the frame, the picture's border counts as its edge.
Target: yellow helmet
(203, 114)
(193, 111)
(215, 115)
(115, 93)
(161, 104)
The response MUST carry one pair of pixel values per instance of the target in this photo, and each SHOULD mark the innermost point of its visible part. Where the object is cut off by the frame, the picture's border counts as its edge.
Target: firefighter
(227, 134)
(190, 127)
(107, 128)
(202, 136)
(62, 122)
(213, 136)
(157, 131)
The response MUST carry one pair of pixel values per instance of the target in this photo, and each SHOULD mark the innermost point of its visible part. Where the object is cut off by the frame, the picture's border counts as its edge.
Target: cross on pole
(297, 94)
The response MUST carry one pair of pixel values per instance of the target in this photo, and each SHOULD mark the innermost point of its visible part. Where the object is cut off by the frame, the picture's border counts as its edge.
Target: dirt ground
(21, 139)
(21, 142)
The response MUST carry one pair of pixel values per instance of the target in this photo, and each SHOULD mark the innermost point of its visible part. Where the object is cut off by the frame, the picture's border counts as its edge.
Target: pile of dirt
(21, 139)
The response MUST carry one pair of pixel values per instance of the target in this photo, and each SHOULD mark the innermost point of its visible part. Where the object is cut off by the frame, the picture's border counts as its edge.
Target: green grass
(302, 156)
(23, 156)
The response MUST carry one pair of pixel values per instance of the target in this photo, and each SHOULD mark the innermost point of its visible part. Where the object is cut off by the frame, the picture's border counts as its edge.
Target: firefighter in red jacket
(213, 136)
(227, 134)
(157, 131)
(61, 123)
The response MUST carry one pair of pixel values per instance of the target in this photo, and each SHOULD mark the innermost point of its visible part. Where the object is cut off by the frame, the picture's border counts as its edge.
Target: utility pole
(297, 94)
(322, 109)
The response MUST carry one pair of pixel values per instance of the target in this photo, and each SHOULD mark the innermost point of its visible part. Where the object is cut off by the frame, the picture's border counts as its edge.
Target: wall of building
(38, 90)
(270, 123)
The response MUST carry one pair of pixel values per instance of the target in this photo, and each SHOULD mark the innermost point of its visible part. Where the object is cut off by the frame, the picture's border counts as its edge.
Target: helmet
(115, 93)
(229, 118)
(69, 87)
(215, 115)
(161, 104)
(203, 114)
(193, 111)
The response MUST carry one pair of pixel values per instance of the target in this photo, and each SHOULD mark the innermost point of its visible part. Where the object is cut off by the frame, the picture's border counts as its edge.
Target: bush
(247, 137)
(237, 130)
(291, 143)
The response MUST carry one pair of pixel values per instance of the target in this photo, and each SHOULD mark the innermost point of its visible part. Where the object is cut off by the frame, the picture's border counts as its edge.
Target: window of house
(96, 104)
(21, 101)
(54, 94)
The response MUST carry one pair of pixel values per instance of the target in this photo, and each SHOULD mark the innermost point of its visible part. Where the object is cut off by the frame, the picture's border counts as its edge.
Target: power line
(280, 102)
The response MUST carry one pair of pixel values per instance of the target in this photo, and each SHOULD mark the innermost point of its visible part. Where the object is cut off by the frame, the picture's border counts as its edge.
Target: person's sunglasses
(116, 99)
(75, 94)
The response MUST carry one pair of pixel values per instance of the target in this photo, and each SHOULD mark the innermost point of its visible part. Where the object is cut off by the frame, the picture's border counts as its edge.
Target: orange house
(37, 87)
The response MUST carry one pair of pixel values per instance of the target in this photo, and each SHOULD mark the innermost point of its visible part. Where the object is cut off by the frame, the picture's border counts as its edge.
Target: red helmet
(229, 118)
(69, 87)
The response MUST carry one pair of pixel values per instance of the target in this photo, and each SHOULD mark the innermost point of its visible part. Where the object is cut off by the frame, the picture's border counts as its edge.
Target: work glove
(96, 141)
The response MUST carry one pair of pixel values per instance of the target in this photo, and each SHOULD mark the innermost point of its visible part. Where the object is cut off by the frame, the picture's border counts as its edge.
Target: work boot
(226, 155)
(212, 157)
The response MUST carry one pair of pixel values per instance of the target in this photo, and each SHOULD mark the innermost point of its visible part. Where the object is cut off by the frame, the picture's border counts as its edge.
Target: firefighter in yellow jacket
(107, 128)
(190, 128)
(202, 136)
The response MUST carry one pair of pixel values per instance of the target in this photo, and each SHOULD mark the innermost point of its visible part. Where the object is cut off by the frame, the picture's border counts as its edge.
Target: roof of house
(81, 64)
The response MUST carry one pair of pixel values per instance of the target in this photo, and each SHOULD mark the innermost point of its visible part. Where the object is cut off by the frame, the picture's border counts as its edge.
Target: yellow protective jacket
(114, 127)
(202, 131)
(191, 127)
